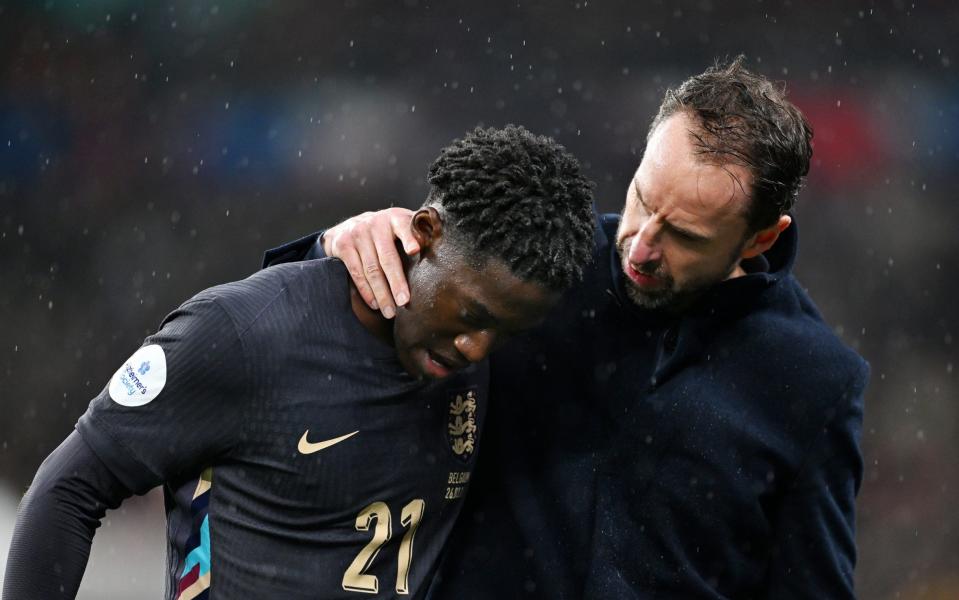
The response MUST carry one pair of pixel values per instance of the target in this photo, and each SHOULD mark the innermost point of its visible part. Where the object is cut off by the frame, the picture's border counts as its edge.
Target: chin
(652, 301)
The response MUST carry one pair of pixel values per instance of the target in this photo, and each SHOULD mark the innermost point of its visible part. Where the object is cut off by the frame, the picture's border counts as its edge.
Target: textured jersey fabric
(70, 493)
(629, 453)
(298, 458)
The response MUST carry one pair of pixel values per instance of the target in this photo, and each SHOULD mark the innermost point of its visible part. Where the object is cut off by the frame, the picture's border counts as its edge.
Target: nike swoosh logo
(305, 447)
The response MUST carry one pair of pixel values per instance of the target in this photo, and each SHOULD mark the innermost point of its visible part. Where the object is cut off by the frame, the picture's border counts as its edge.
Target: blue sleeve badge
(141, 378)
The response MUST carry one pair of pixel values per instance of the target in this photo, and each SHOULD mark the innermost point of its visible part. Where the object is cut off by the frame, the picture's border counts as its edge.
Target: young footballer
(307, 446)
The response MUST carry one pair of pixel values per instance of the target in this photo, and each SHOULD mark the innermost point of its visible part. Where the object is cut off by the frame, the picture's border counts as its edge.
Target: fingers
(366, 246)
(392, 265)
(372, 271)
(400, 224)
(386, 231)
(338, 243)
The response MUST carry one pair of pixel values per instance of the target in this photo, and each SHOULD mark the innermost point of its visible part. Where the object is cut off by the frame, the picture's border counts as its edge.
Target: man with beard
(685, 425)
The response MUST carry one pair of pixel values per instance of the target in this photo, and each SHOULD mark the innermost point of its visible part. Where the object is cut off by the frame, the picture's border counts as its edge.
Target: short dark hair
(518, 197)
(746, 119)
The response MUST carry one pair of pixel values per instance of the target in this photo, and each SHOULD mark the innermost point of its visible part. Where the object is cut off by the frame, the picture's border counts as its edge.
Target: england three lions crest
(461, 426)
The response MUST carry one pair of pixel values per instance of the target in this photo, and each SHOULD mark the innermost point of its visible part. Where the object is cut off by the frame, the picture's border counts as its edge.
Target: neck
(373, 320)
(681, 305)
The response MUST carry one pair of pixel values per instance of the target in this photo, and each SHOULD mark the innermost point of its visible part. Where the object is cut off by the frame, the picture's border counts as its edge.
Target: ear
(764, 239)
(427, 227)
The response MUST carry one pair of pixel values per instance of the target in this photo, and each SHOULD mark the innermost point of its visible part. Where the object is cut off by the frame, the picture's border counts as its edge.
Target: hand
(365, 245)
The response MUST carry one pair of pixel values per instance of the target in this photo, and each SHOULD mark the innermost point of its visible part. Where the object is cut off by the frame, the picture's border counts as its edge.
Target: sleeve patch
(141, 378)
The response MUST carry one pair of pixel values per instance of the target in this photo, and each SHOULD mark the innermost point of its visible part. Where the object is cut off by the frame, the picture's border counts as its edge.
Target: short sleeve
(177, 404)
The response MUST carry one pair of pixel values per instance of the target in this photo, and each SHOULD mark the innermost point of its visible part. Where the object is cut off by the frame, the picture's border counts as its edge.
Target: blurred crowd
(150, 150)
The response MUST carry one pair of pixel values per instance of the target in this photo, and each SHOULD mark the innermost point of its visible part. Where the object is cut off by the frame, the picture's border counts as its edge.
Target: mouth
(643, 280)
(438, 366)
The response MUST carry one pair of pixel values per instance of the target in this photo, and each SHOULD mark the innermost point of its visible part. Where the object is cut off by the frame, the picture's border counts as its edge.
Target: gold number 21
(354, 579)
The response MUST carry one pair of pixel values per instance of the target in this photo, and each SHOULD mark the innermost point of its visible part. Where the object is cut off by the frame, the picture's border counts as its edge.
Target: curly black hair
(746, 119)
(518, 197)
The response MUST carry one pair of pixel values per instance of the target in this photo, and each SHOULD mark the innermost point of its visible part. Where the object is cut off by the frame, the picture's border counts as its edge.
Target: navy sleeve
(56, 522)
(177, 404)
(814, 551)
(305, 248)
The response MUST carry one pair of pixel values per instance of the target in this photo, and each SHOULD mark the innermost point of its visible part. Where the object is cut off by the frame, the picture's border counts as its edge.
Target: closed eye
(472, 318)
(687, 236)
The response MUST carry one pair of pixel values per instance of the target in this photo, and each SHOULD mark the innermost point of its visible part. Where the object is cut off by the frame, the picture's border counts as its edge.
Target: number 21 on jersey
(355, 579)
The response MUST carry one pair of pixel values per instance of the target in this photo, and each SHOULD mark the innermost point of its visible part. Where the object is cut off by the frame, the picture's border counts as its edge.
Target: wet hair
(518, 197)
(744, 118)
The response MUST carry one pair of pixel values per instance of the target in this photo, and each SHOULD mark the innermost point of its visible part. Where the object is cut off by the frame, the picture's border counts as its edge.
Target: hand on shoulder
(366, 245)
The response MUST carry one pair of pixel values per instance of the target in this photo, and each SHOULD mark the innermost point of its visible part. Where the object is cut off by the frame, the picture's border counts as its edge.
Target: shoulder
(777, 366)
(266, 284)
(274, 290)
(786, 340)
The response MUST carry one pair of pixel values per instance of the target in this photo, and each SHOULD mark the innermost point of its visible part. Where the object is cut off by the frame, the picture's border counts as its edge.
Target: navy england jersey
(298, 458)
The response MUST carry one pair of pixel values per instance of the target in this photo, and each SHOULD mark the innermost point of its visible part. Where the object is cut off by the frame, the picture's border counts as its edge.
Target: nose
(644, 247)
(476, 345)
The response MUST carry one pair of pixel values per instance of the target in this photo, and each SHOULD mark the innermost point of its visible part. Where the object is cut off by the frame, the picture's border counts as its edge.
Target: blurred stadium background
(149, 150)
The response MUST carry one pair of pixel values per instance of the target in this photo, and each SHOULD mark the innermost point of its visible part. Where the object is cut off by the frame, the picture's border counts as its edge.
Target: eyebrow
(678, 229)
